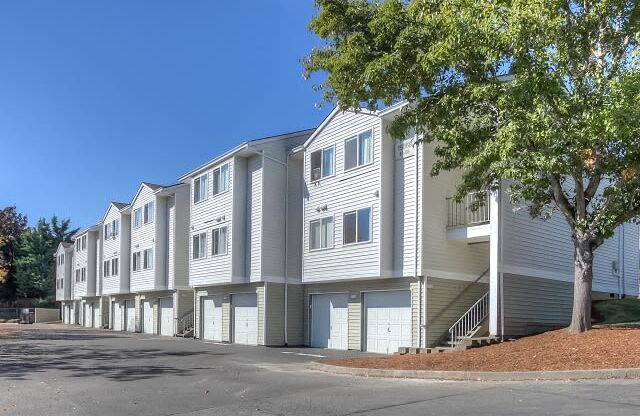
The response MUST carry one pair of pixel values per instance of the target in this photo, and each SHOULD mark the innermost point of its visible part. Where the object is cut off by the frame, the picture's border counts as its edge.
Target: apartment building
(116, 266)
(64, 282)
(159, 220)
(244, 259)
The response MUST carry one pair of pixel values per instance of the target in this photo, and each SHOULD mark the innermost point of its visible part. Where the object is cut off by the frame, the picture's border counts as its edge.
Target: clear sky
(97, 96)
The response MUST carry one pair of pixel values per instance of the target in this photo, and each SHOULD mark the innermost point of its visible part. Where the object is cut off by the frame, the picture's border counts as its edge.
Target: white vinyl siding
(340, 194)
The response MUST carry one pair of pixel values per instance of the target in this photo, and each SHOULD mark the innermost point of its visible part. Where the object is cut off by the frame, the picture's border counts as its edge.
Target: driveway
(61, 370)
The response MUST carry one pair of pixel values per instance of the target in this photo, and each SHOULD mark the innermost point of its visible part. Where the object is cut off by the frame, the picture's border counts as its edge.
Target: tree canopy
(543, 93)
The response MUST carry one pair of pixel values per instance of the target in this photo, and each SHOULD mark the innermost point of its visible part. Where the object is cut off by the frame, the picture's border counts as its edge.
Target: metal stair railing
(470, 321)
(185, 323)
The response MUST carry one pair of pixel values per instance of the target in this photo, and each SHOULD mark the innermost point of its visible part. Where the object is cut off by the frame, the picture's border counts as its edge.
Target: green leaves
(519, 90)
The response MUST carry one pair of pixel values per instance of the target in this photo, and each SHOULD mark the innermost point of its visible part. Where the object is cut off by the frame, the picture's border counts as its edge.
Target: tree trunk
(583, 279)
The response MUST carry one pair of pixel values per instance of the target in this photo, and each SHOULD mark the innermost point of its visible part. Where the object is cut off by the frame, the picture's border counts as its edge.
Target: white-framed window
(137, 217)
(84, 274)
(84, 242)
(77, 275)
(107, 231)
(149, 212)
(61, 259)
(77, 245)
(221, 179)
(199, 248)
(147, 259)
(356, 226)
(106, 268)
(201, 188)
(219, 241)
(322, 163)
(358, 150)
(115, 266)
(321, 233)
(115, 227)
(136, 261)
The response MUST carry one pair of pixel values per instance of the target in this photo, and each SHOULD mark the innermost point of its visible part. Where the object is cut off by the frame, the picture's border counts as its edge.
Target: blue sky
(96, 96)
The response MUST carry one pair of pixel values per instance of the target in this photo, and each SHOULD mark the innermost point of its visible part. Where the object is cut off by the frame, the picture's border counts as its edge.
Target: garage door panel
(388, 321)
(245, 318)
(212, 318)
(329, 321)
(97, 321)
(147, 317)
(130, 315)
(117, 316)
(166, 316)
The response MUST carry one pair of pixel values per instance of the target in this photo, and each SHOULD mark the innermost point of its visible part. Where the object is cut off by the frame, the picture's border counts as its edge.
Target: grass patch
(616, 311)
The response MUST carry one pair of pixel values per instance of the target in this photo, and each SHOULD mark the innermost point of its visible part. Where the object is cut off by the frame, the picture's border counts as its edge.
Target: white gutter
(422, 318)
(501, 259)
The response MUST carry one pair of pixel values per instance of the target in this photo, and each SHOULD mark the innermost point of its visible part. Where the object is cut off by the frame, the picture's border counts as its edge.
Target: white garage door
(212, 318)
(329, 321)
(118, 317)
(245, 318)
(166, 317)
(88, 317)
(66, 314)
(147, 317)
(131, 315)
(388, 320)
(97, 318)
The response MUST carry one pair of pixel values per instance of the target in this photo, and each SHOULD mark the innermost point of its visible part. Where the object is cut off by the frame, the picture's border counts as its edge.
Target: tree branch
(561, 200)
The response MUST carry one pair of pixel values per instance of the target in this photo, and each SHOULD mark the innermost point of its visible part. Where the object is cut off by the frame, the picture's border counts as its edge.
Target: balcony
(468, 220)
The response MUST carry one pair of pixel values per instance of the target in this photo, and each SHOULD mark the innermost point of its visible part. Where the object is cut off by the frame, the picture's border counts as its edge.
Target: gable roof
(243, 146)
(330, 117)
(118, 205)
(64, 245)
(94, 227)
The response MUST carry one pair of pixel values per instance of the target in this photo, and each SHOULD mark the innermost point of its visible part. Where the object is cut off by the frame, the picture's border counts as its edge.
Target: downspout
(501, 259)
(423, 289)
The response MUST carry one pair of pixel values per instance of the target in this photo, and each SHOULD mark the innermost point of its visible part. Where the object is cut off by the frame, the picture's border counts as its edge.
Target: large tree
(35, 262)
(541, 94)
(12, 224)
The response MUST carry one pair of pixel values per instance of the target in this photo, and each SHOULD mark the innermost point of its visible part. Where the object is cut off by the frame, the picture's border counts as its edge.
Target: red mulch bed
(553, 350)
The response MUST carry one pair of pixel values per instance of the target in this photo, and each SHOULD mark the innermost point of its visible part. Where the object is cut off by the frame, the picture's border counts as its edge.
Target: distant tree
(12, 224)
(544, 94)
(35, 262)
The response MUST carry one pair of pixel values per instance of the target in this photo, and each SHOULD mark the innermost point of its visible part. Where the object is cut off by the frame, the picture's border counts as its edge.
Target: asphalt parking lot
(61, 370)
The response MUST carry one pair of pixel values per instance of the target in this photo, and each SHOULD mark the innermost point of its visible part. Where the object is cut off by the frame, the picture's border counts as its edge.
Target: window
(148, 212)
(201, 188)
(358, 150)
(148, 259)
(61, 259)
(321, 233)
(136, 261)
(322, 162)
(84, 242)
(83, 276)
(115, 265)
(137, 217)
(77, 245)
(115, 227)
(221, 179)
(107, 231)
(219, 241)
(106, 268)
(357, 226)
(199, 249)
(77, 275)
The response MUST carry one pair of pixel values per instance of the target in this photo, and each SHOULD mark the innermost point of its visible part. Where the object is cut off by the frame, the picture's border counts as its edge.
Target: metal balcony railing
(472, 210)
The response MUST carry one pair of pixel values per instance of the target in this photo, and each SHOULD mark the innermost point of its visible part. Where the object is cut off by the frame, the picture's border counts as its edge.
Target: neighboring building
(244, 204)
(64, 282)
(159, 218)
(87, 281)
(116, 270)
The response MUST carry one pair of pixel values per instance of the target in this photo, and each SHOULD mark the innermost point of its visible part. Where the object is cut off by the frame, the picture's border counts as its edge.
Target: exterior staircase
(469, 331)
(185, 325)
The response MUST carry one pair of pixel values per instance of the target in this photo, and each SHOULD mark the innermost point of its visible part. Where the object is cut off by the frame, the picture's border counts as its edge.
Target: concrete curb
(615, 373)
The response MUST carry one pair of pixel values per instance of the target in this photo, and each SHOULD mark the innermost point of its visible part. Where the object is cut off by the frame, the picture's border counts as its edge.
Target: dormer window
(322, 163)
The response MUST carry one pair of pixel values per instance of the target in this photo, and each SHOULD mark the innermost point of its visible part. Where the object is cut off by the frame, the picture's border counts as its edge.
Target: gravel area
(553, 350)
